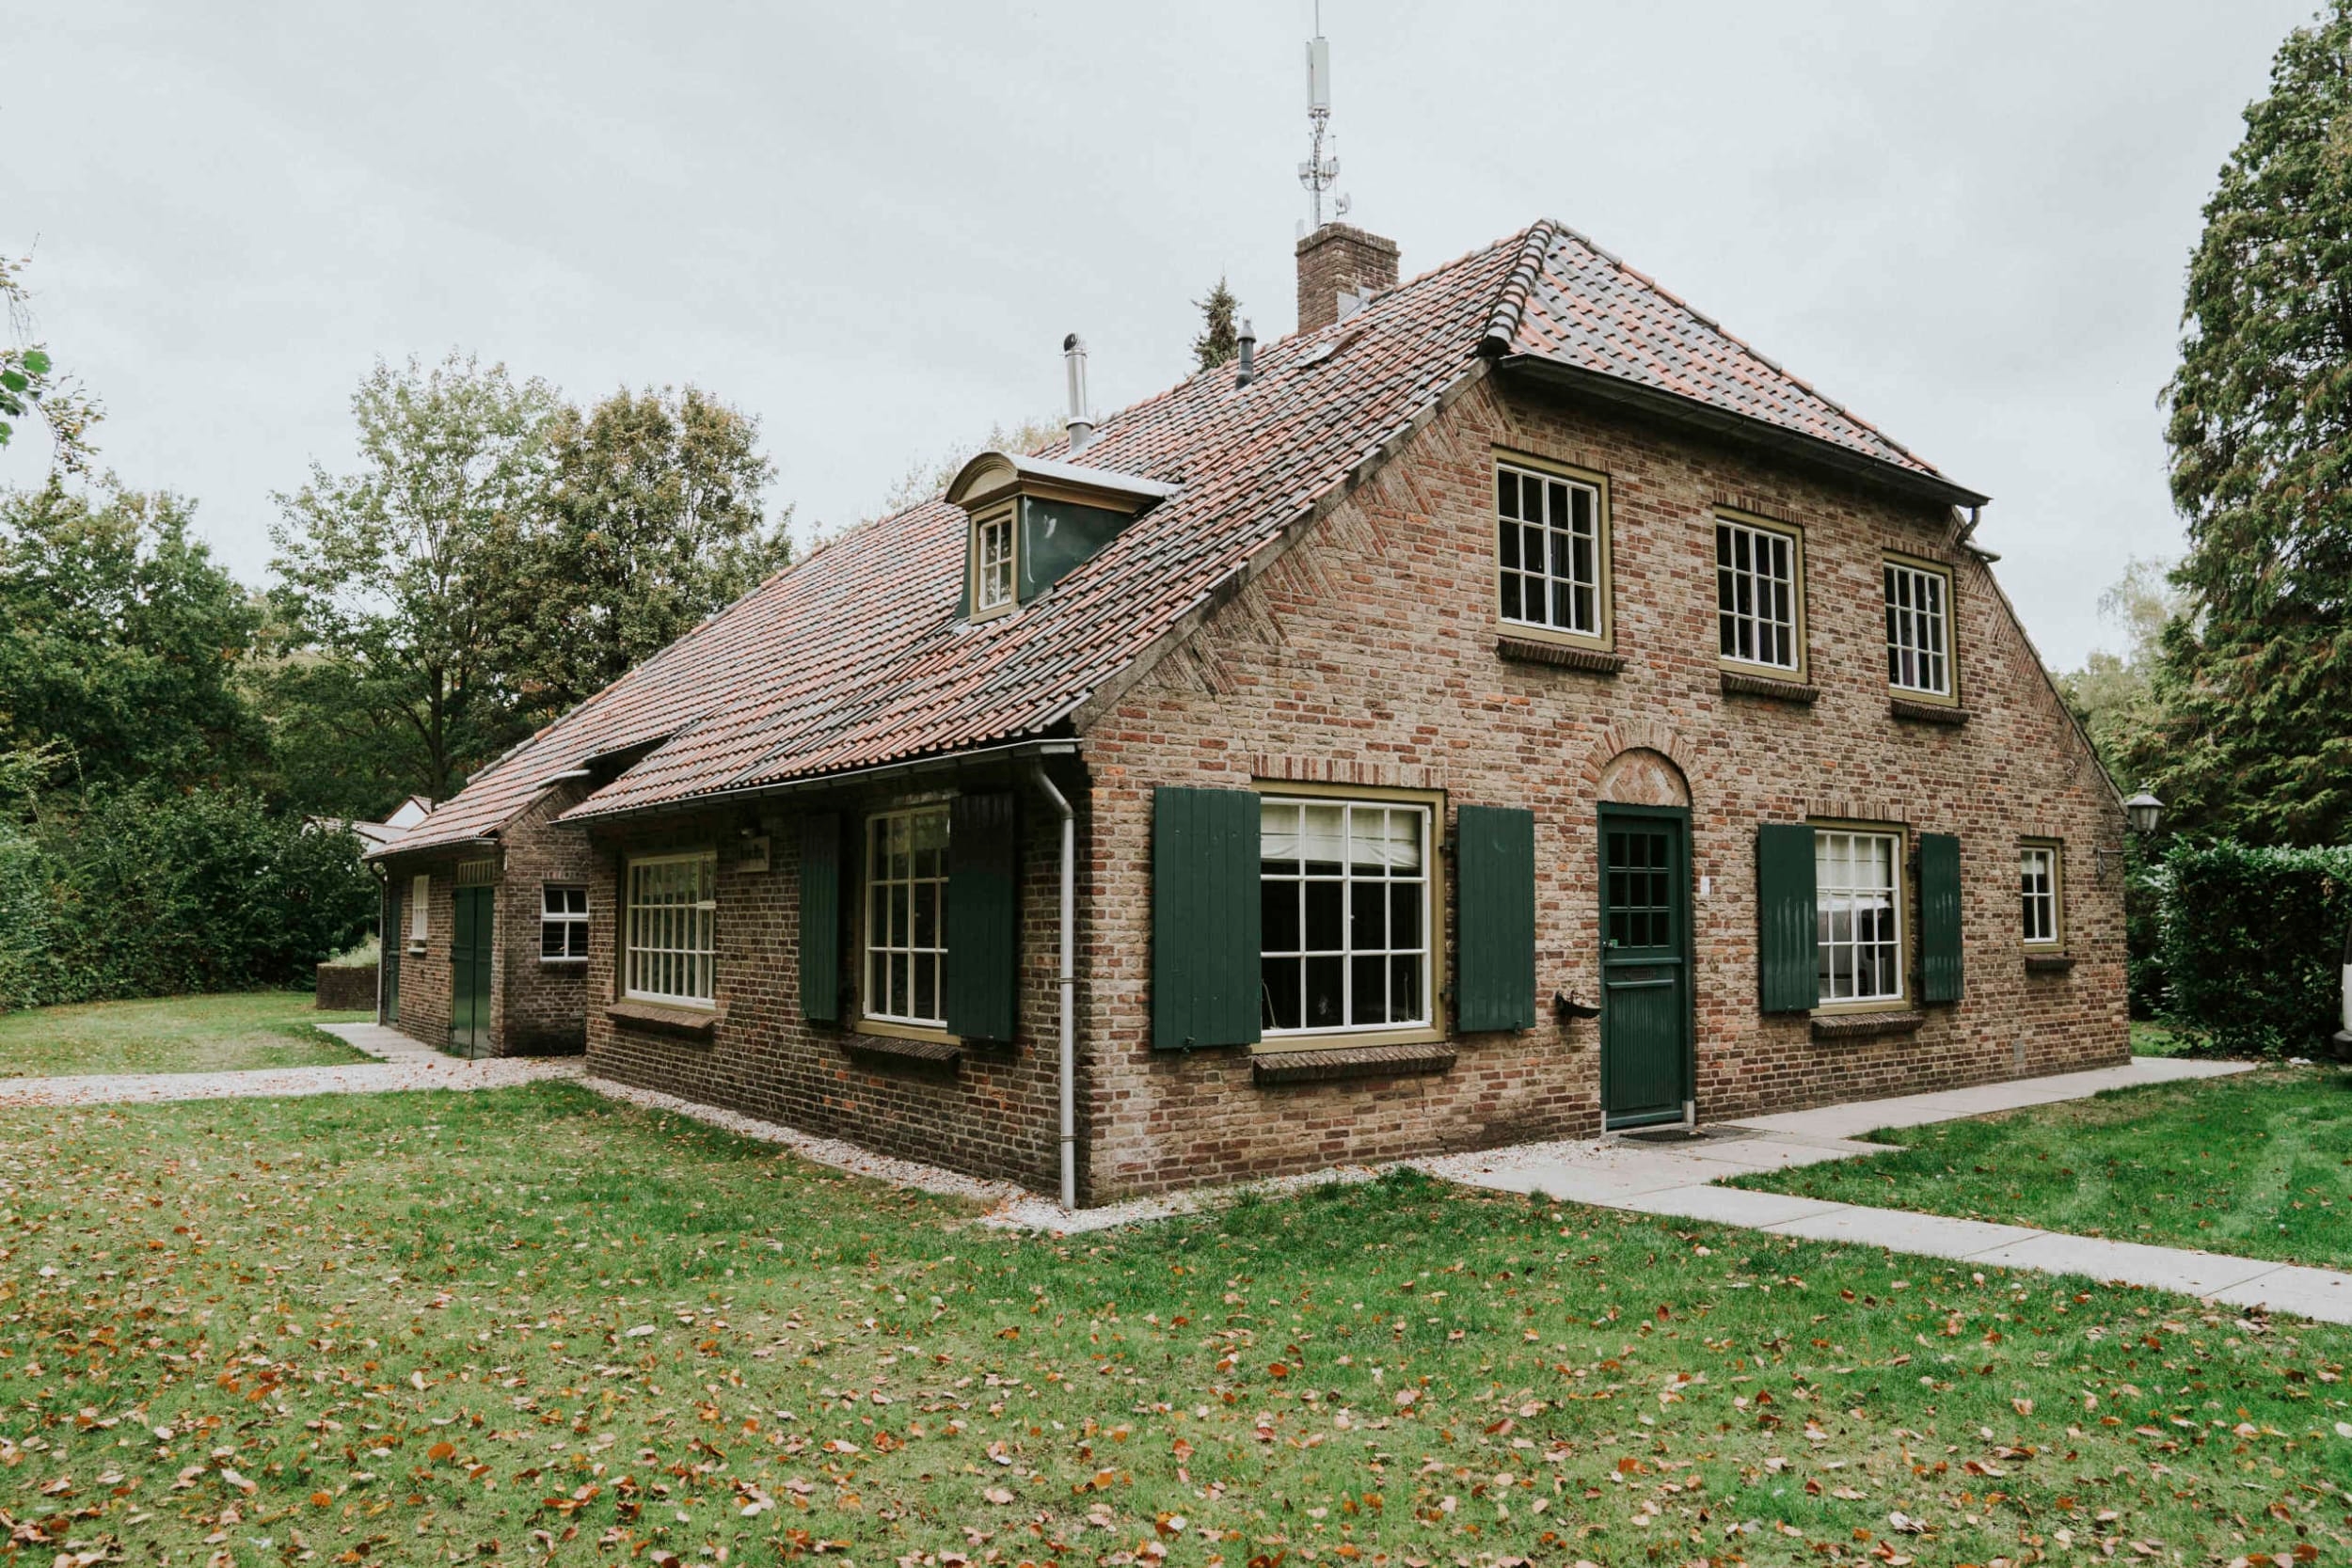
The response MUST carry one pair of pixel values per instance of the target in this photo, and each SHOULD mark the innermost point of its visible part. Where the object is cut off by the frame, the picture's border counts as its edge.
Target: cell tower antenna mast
(1321, 172)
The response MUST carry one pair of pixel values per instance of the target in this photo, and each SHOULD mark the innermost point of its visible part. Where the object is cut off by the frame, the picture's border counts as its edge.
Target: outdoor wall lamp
(2143, 811)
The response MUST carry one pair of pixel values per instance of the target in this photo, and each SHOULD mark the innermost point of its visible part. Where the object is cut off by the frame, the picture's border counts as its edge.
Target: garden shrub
(2253, 943)
(153, 893)
(2147, 885)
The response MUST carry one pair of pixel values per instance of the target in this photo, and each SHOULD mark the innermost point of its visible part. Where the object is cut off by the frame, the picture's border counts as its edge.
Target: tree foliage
(2113, 693)
(1220, 338)
(122, 643)
(2254, 736)
(654, 522)
(31, 384)
(398, 571)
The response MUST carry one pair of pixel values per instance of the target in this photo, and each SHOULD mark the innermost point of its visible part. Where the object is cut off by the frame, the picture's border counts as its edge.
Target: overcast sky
(871, 224)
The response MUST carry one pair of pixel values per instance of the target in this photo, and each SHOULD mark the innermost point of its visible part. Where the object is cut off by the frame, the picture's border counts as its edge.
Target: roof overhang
(1537, 370)
(944, 762)
(445, 846)
(993, 475)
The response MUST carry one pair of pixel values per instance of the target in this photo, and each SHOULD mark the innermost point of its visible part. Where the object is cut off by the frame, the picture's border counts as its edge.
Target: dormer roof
(992, 475)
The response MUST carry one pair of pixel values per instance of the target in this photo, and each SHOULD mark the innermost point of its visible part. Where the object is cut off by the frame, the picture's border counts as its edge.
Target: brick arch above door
(1609, 764)
(1642, 777)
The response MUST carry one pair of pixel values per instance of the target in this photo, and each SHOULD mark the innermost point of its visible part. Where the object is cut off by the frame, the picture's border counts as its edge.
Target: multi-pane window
(1548, 550)
(906, 924)
(2038, 892)
(1756, 594)
(419, 909)
(563, 921)
(1343, 890)
(1858, 915)
(672, 928)
(1641, 888)
(992, 562)
(1918, 629)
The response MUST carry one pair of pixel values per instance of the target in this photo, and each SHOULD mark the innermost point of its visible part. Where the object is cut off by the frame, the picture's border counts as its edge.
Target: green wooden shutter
(820, 917)
(1495, 886)
(1206, 918)
(1939, 918)
(983, 915)
(1786, 960)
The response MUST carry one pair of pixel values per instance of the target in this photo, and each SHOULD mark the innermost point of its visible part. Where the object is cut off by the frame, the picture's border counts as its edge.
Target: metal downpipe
(1069, 980)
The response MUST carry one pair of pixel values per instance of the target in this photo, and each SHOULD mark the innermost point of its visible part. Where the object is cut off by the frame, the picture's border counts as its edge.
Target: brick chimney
(1339, 258)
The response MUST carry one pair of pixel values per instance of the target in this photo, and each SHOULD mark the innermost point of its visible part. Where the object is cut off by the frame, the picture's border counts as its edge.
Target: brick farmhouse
(1509, 707)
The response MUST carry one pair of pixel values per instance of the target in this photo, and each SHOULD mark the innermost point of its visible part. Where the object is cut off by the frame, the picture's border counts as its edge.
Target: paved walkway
(1677, 1179)
(401, 1063)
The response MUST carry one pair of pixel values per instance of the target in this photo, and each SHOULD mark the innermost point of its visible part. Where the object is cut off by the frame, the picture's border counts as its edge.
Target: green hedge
(2253, 944)
(154, 893)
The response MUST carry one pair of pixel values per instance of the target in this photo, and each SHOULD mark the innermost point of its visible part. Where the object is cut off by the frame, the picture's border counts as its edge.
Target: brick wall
(424, 978)
(1367, 653)
(541, 1004)
(1340, 258)
(991, 1112)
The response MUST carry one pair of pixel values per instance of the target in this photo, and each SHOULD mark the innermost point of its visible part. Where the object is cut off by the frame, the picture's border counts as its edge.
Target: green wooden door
(470, 973)
(1644, 964)
(389, 954)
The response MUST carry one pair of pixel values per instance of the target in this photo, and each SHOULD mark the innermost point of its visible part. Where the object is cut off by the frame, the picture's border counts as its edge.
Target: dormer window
(994, 587)
(1035, 521)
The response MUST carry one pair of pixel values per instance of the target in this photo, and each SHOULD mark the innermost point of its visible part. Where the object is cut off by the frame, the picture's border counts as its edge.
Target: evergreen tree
(2254, 731)
(1219, 340)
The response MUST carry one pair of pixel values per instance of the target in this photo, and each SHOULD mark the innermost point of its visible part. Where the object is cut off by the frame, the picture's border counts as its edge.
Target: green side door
(470, 973)
(1646, 1020)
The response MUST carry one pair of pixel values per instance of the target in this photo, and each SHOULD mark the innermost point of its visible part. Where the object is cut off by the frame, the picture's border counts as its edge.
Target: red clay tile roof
(854, 656)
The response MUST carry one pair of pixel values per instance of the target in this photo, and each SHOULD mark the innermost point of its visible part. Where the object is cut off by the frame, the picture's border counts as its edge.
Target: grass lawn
(531, 1325)
(172, 1034)
(2259, 1164)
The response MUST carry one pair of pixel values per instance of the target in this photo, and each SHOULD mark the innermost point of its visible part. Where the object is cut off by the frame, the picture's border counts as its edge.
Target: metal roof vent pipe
(1081, 424)
(1249, 342)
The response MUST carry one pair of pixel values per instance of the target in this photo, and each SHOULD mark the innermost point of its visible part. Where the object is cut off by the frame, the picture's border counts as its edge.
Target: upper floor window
(906, 917)
(672, 928)
(993, 583)
(563, 921)
(1759, 594)
(2039, 894)
(1919, 629)
(1551, 551)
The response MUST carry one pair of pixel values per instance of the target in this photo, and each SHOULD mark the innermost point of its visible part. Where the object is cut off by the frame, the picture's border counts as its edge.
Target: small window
(2040, 896)
(1344, 899)
(673, 929)
(563, 921)
(1759, 589)
(993, 583)
(419, 909)
(1550, 553)
(1857, 878)
(906, 917)
(1919, 629)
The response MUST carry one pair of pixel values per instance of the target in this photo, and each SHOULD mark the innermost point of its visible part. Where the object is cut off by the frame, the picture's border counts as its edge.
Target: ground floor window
(1345, 895)
(2037, 892)
(672, 928)
(1858, 915)
(906, 910)
(563, 921)
(420, 907)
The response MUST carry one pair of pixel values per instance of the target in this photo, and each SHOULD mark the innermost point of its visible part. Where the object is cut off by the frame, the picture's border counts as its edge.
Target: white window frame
(1759, 594)
(996, 584)
(892, 929)
(1918, 631)
(1840, 905)
(1514, 532)
(2041, 906)
(420, 909)
(569, 922)
(1422, 883)
(670, 947)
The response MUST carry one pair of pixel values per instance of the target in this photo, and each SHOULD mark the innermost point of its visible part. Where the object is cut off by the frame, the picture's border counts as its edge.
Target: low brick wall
(346, 988)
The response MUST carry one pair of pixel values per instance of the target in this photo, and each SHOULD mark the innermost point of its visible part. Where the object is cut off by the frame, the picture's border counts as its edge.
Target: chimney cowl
(1080, 424)
(1247, 371)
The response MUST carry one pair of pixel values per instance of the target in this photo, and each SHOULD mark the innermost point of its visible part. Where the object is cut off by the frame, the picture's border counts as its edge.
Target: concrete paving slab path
(1676, 1179)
